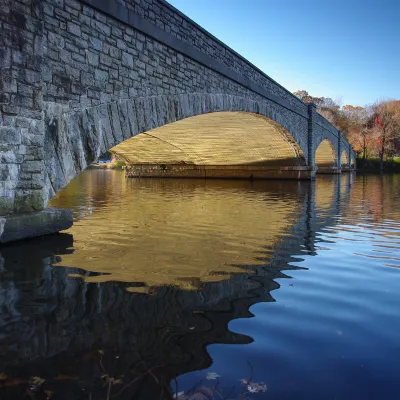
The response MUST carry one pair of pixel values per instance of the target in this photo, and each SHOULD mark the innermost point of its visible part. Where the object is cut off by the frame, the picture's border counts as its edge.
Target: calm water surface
(189, 289)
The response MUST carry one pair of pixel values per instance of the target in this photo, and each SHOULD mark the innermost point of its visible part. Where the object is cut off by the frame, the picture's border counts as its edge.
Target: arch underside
(325, 155)
(219, 138)
(345, 159)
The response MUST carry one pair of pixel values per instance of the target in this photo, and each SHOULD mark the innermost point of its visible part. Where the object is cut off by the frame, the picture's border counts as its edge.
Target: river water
(197, 289)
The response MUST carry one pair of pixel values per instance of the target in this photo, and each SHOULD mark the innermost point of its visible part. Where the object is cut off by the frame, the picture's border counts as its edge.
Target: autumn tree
(386, 125)
(359, 128)
(326, 107)
(370, 130)
(305, 97)
(332, 112)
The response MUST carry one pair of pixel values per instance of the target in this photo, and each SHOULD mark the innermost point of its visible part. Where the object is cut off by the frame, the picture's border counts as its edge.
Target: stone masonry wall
(91, 59)
(21, 125)
(165, 16)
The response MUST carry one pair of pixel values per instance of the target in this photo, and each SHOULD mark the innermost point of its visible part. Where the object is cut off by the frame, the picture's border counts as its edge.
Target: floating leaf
(36, 380)
(255, 387)
(212, 376)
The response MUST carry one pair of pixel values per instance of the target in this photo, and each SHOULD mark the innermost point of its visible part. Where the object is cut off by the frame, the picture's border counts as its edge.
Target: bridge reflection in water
(167, 232)
(229, 240)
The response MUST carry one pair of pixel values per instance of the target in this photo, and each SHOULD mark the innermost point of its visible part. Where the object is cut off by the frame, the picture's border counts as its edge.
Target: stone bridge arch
(344, 159)
(85, 63)
(352, 160)
(326, 156)
(73, 140)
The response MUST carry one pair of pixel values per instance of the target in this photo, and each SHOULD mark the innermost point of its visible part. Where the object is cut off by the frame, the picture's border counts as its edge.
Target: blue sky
(348, 50)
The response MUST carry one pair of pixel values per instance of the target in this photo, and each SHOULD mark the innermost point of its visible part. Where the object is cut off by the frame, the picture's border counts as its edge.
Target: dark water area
(186, 289)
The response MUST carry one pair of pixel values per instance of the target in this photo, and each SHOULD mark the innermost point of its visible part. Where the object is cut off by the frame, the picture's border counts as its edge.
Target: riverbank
(372, 164)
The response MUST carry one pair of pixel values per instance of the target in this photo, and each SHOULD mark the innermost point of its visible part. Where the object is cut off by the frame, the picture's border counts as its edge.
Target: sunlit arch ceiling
(222, 138)
(325, 155)
(345, 158)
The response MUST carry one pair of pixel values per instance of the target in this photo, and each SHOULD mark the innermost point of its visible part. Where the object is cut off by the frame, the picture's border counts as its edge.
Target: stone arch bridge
(79, 78)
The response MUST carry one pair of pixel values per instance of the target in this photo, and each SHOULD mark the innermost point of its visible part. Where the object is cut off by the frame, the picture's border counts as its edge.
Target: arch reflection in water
(171, 232)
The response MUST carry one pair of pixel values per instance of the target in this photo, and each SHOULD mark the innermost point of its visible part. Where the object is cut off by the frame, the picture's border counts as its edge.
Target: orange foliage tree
(359, 132)
(386, 127)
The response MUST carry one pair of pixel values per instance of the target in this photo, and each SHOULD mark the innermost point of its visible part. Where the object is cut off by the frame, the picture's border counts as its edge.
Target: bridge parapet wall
(324, 124)
(165, 16)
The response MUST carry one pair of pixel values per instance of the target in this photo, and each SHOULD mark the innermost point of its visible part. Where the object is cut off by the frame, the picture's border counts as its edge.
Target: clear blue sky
(348, 50)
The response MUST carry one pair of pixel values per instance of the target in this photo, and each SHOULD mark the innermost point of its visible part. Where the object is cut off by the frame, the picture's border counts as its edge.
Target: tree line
(373, 130)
